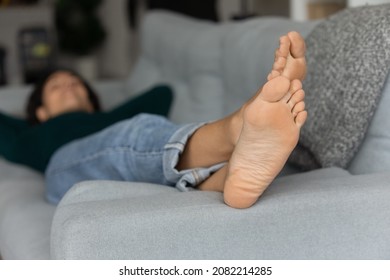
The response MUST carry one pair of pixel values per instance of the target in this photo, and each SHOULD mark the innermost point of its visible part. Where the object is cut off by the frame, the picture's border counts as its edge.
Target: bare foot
(290, 57)
(270, 131)
(289, 62)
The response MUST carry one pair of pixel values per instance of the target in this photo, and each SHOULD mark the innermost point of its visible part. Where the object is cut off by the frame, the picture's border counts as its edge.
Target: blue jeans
(145, 148)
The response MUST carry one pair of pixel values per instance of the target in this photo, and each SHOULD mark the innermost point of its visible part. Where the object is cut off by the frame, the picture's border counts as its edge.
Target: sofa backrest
(374, 152)
(185, 54)
(13, 99)
(214, 68)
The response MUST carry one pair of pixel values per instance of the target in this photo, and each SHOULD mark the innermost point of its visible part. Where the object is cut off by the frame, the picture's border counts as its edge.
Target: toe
(284, 46)
(296, 85)
(297, 47)
(299, 107)
(297, 97)
(279, 64)
(300, 119)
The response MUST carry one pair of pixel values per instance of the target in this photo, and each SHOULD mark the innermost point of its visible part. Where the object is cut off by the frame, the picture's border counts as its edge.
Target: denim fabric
(145, 148)
(175, 146)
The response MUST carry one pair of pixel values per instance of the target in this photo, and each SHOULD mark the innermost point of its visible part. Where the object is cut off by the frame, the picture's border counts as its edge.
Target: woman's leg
(145, 148)
(130, 150)
(210, 144)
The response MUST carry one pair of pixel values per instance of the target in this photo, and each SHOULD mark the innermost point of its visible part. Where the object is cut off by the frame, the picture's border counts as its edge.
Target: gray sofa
(329, 213)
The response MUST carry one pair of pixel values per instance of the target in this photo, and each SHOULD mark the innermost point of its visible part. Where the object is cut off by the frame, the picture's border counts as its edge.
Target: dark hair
(35, 98)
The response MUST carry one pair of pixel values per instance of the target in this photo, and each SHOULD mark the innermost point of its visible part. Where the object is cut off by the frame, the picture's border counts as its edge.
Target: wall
(12, 20)
(299, 8)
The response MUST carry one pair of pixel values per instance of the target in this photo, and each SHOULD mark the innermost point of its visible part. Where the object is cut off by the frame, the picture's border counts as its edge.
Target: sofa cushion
(13, 99)
(184, 53)
(25, 217)
(322, 214)
(25, 220)
(348, 58)
(9, 171)
(374, 152)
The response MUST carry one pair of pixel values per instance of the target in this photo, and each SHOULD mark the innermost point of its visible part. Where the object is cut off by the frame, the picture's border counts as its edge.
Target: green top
(34, 145)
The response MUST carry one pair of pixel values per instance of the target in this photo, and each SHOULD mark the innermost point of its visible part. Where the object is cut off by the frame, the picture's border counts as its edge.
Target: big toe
(275, 89)
(297, 47)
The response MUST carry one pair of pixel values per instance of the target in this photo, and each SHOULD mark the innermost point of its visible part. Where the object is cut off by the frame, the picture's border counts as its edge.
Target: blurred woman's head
(60, 91)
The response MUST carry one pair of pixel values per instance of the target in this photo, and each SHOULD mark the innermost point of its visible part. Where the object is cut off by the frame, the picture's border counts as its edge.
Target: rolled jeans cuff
(186, 179)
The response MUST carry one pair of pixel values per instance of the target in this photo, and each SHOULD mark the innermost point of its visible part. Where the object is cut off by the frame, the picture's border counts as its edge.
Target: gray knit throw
(348, 58)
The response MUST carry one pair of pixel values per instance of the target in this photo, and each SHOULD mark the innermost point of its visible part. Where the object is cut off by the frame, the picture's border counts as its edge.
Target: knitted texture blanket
(348, 58)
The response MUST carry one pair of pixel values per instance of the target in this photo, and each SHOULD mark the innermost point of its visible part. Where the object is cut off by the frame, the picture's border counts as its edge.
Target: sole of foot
(269, 133)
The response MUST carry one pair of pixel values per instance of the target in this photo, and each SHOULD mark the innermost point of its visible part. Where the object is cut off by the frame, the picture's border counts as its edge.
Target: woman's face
(63, 92)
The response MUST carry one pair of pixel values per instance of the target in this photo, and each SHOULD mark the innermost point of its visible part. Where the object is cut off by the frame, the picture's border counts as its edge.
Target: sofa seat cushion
(9, 171)
(25, 216)
(322, 214)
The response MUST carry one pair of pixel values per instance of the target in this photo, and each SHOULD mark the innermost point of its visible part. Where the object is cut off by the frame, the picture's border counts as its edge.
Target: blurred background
(99, 38)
